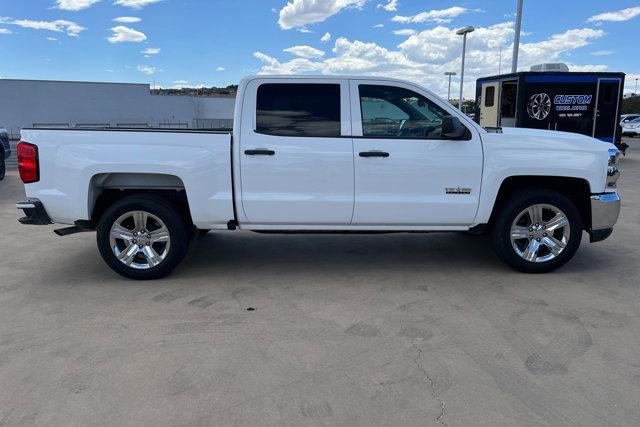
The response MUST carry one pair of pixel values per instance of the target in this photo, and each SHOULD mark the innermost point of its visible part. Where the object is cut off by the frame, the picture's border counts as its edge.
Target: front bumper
(605, 210)
(35, 213)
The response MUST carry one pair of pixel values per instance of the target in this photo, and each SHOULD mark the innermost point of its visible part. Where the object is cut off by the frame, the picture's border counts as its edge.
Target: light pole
(636, 91)
(453, 73)
(463, 32)
(516, 40)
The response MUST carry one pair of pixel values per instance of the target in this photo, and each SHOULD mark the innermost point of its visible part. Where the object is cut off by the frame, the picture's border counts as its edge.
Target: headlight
(613, 169)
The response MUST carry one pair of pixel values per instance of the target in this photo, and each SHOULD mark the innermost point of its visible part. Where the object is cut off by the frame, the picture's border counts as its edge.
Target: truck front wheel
(537, 231)
(142, 237)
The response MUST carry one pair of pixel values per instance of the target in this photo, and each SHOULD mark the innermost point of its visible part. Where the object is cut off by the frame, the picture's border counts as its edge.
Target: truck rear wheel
(537, 231)
(142, 237)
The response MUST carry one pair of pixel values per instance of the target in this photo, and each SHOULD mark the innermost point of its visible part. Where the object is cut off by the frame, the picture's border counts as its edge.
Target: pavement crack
(432, 387)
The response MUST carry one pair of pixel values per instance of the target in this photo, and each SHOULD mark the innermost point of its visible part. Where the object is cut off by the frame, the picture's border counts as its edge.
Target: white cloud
(617, 16)
(391, 6)
(589, 68)
(127, 19)
(221, 69)
(125, 34)
(52, 39)
(182, 84)
(603, 52)
(135, 4)
(5, 31)
(151, 51)
(147, 69)
(378, 26)
(423, 57)
(405, 32)
(75, 5)
(551, 49)
(305, 52)
(298, 13)
(269, 61)
(108, 70)
(439, 16)
(304, 30)
(326, 37)
(61, 26)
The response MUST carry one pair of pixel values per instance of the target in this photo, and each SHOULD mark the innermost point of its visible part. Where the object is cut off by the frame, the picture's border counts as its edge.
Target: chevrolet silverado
(322, 154)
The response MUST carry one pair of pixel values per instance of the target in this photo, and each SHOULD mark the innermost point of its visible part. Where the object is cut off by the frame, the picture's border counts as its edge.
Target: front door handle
(374, 154)
(259, 152)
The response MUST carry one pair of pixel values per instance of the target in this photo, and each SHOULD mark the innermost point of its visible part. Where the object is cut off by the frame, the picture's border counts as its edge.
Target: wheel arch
(107, 188)
(577, 190)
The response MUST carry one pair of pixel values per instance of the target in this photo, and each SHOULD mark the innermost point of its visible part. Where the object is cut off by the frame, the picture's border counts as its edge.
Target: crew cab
(323, 154)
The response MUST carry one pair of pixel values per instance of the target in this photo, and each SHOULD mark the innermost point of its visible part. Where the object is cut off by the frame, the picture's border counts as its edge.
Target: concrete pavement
(401, 329)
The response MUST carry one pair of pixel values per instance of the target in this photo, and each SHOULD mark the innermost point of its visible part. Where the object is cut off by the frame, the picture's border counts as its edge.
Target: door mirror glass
(452, 128)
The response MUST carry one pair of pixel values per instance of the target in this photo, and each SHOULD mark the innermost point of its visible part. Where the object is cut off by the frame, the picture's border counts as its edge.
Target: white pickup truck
(323, 154)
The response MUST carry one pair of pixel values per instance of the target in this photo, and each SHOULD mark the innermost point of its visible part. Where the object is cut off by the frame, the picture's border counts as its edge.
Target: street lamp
(516, 40)
(453, 73)
(636, 91)
(463, 32)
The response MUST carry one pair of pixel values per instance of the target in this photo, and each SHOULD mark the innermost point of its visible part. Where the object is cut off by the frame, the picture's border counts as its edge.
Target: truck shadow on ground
(358, 251)
(446, 252)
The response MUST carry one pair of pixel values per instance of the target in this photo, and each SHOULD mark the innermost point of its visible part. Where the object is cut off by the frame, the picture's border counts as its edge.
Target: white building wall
(29, 103)
(185, 109)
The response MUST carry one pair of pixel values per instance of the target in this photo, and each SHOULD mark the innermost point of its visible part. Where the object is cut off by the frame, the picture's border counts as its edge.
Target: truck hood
(553, 140)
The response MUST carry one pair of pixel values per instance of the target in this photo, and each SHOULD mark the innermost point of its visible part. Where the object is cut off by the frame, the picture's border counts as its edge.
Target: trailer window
(490, 96)
(608, 93)
(287, 109)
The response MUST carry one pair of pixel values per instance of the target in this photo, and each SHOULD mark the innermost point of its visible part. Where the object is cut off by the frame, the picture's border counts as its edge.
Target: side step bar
(79, 227)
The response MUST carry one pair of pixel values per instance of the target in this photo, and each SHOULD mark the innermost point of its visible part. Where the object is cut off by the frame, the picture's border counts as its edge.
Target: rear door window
(289, 109)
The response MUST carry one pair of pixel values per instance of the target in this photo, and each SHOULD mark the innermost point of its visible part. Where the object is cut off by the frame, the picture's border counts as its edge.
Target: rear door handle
(259, 152)
(374, 154)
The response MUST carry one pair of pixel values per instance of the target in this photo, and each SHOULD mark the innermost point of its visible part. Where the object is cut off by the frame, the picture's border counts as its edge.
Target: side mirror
(452, 128)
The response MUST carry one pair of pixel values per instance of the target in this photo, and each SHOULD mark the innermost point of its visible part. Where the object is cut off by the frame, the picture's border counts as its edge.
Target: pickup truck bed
(76, 165)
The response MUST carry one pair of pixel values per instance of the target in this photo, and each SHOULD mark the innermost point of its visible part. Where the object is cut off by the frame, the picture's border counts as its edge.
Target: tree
(631, 105)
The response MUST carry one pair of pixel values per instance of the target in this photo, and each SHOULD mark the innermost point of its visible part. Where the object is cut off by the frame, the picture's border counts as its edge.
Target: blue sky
(210, 42)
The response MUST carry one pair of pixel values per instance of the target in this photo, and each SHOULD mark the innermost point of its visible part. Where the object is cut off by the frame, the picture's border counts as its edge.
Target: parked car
(5, 151)
(631, 127)
(308, 155)
(627, 118)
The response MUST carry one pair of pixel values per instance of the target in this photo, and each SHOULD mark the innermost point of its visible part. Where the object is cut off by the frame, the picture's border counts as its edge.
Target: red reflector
(28, 162)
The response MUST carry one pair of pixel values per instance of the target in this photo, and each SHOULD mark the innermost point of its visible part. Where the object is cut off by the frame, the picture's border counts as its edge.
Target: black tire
(163, 210)
(3, 167)
(511, 209)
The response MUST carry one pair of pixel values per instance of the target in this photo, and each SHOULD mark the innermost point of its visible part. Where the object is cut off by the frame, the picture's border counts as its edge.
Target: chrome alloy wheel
(540, 233)
(139, 240)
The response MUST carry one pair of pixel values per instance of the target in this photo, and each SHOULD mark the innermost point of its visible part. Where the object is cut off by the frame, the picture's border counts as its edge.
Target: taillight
(28, 162)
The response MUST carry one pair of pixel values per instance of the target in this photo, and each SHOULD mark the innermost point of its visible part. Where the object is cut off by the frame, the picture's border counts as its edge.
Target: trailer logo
(573, 104)
(573, 99)
(539, 106)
